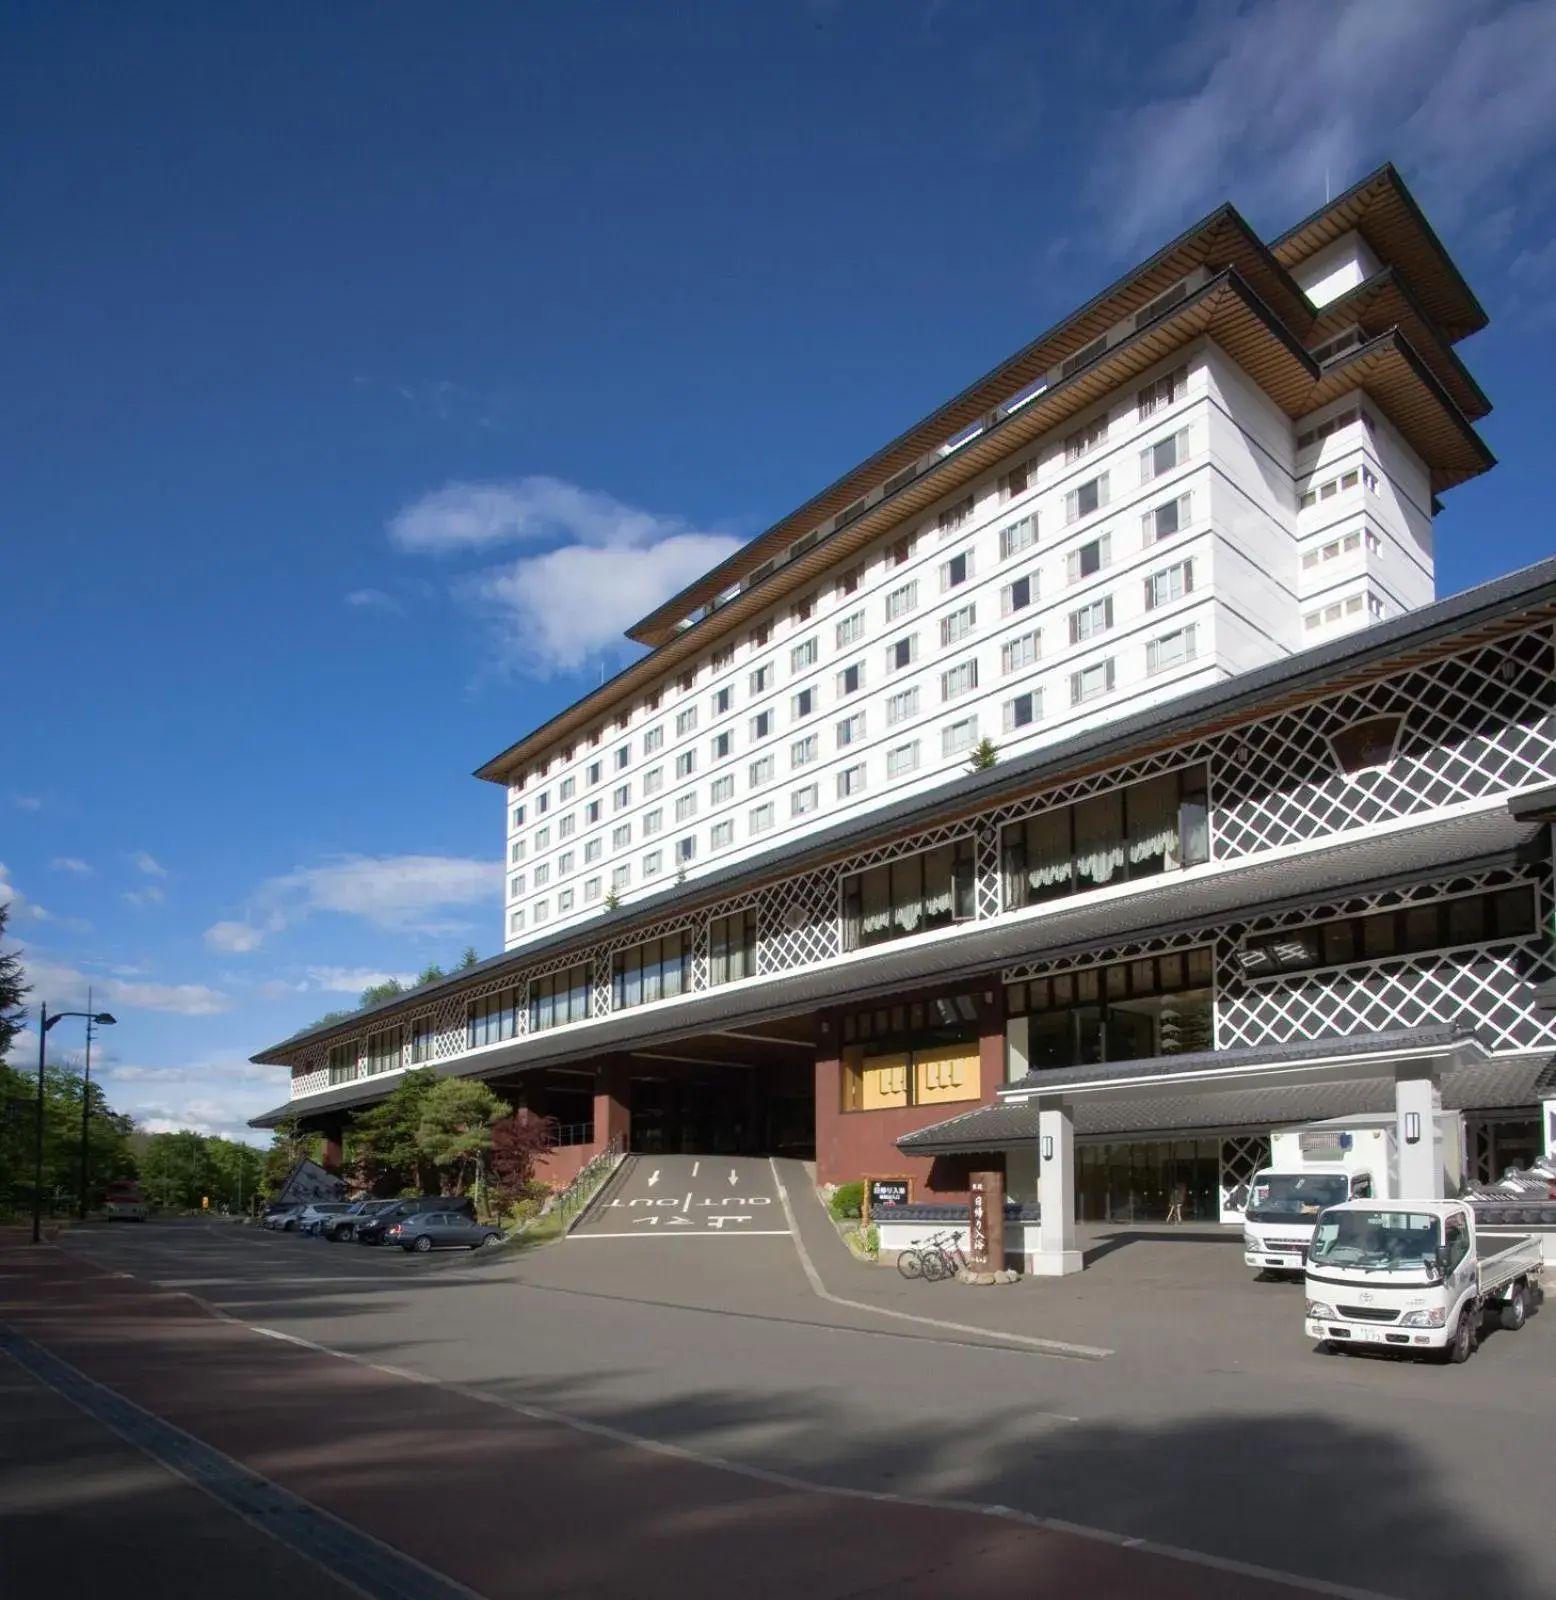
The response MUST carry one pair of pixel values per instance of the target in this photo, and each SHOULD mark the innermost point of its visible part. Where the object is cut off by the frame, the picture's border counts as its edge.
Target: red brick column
(334, 1135)
(612, 1102)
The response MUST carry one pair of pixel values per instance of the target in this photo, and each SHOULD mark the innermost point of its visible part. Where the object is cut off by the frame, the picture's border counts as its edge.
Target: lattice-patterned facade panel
(801, 920)
(1471, 725)
(1240, 1159)
(1487, 983)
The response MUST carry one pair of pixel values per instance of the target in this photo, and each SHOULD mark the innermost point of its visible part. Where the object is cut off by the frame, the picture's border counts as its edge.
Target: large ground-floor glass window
(732, 947)
(1140, 1181)
(1127, 1011)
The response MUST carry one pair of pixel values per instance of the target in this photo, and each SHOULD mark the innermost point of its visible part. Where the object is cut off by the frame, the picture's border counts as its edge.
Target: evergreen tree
(13, 986)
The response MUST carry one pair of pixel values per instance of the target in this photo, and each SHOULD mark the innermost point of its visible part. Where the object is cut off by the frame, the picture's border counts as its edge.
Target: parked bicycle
(938, 1257)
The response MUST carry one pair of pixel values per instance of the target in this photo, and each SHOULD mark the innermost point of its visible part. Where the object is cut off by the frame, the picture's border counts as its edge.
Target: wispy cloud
(353, 980)
(144, 861)
(407, 894)
(26, 802)
(215, 1094)
(151, 895)
(71, 864)
(1271, 102)
(66, 986)
(607, 563)
(374, 600)
(237, 938)
(18, 907)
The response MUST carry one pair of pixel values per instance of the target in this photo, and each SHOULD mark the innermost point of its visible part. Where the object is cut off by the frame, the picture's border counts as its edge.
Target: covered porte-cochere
(1408, 1074)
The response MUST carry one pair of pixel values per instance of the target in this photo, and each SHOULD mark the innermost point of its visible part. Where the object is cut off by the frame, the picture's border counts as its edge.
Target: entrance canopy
(1249, 1089)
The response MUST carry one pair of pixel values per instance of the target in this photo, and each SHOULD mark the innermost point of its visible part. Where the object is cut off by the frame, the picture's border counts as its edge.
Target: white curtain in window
(907, 895)
(937, 885)
(1153, 821)
(1048, 853)
(1099, 841)
(875, 905)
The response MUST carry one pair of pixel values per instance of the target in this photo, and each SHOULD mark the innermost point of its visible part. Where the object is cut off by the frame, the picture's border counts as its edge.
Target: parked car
(342, 1228)
(371, 1229)
(312, 1218)
(281, 1219)
(441, 1230)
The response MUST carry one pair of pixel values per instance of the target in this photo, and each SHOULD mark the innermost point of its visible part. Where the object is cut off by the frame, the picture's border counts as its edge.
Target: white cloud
(70, 864)
(374, 600)
(19, 908)
(608, 563)
(236, 937)
(151, 895)
(353, 980)
(1283, 100)
(402, 894)
(64, 987)
(26, 802)
(555, 611)
(148, 863)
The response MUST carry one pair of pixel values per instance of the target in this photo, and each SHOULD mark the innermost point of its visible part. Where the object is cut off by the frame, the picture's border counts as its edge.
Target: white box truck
(1311, 1168)
(1415, 1277)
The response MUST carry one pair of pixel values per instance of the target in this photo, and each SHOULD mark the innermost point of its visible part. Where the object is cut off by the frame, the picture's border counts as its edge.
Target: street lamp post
(45, 1022)
(86, 1109)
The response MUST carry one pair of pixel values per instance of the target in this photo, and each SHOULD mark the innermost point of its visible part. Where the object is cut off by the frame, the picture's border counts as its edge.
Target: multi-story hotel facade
(1105, 717)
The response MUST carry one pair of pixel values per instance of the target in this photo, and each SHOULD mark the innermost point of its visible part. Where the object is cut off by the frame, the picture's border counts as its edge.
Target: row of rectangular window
(1153, 398)
(1351, 606)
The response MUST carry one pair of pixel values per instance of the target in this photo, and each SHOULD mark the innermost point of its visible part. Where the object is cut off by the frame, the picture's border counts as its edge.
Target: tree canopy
(13, 987)
(456, 1129)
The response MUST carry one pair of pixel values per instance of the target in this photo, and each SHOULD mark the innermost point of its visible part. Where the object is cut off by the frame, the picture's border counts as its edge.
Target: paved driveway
(1211, 1427)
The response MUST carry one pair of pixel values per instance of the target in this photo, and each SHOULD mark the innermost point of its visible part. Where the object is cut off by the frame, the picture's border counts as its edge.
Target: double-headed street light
(102, 1020)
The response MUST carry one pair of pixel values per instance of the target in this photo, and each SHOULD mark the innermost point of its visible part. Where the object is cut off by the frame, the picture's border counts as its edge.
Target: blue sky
(369, 367)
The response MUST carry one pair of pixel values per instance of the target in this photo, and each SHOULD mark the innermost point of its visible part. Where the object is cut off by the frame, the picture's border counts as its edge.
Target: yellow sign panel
(885, 1082)
(948, 1072)
(205, 1202)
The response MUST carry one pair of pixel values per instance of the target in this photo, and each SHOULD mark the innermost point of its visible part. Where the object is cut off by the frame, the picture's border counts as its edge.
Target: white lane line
(696, 1168)
(1052, 1347)
(786, 1480)
(686, 1204)
(710, 1233)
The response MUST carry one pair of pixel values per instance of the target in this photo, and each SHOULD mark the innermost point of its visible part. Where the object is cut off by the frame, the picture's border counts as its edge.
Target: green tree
(108, 1134)
(456, 1130)
(288, 1146)
(381, 1143)
(469, 958)
(431, 973)
(386, 990)
(13, 986)
(984, 755)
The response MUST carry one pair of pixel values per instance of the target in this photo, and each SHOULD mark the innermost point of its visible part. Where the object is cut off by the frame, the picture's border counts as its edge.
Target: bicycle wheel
(910, 1264)
(936, 1266)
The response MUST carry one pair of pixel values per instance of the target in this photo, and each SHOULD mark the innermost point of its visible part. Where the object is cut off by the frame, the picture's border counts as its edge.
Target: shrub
(847, 1201)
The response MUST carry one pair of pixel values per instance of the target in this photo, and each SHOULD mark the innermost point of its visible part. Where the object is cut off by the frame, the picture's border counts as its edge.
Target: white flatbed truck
(1415, 1277)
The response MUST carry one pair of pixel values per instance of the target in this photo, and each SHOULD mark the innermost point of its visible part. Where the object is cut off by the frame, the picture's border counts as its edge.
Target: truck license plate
(1368, 1335)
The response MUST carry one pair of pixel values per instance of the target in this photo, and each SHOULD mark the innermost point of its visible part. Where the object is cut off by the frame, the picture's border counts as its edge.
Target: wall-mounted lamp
(1048, 1147)
(1412, 1127)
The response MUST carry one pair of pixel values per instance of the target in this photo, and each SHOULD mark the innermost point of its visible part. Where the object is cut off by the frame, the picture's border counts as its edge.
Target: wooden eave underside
(1223, 240)
(1405, 390)
(1225, 310)
(1383, 302)
(1381, 209)
(1341, 681)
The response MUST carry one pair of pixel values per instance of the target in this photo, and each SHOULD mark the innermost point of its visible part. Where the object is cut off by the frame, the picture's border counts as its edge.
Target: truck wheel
(1463, 1340)
(1515, 1309)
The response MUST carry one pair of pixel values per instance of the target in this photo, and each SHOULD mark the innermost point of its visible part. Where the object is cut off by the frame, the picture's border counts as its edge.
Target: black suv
(370, 1230)
(341, 1227)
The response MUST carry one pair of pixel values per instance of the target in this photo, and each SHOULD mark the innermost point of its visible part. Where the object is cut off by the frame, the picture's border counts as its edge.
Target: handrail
(582, 1187)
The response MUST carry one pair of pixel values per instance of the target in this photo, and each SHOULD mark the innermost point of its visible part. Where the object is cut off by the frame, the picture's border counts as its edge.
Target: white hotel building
(1171, 567)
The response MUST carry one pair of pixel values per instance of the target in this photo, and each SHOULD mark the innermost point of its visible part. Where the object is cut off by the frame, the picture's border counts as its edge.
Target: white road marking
(686, 1204)
(696, 1168)
(786, 1480)
(701, 1233)
(653, 1177)
(734, 1177)
(1053, 1347)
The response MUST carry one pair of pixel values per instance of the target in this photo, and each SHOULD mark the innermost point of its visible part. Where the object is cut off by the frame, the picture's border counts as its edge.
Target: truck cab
(1283, 1206)
(1413, 1276)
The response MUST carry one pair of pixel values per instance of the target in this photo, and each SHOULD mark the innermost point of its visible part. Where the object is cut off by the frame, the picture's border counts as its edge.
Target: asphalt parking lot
(1199, 1419)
